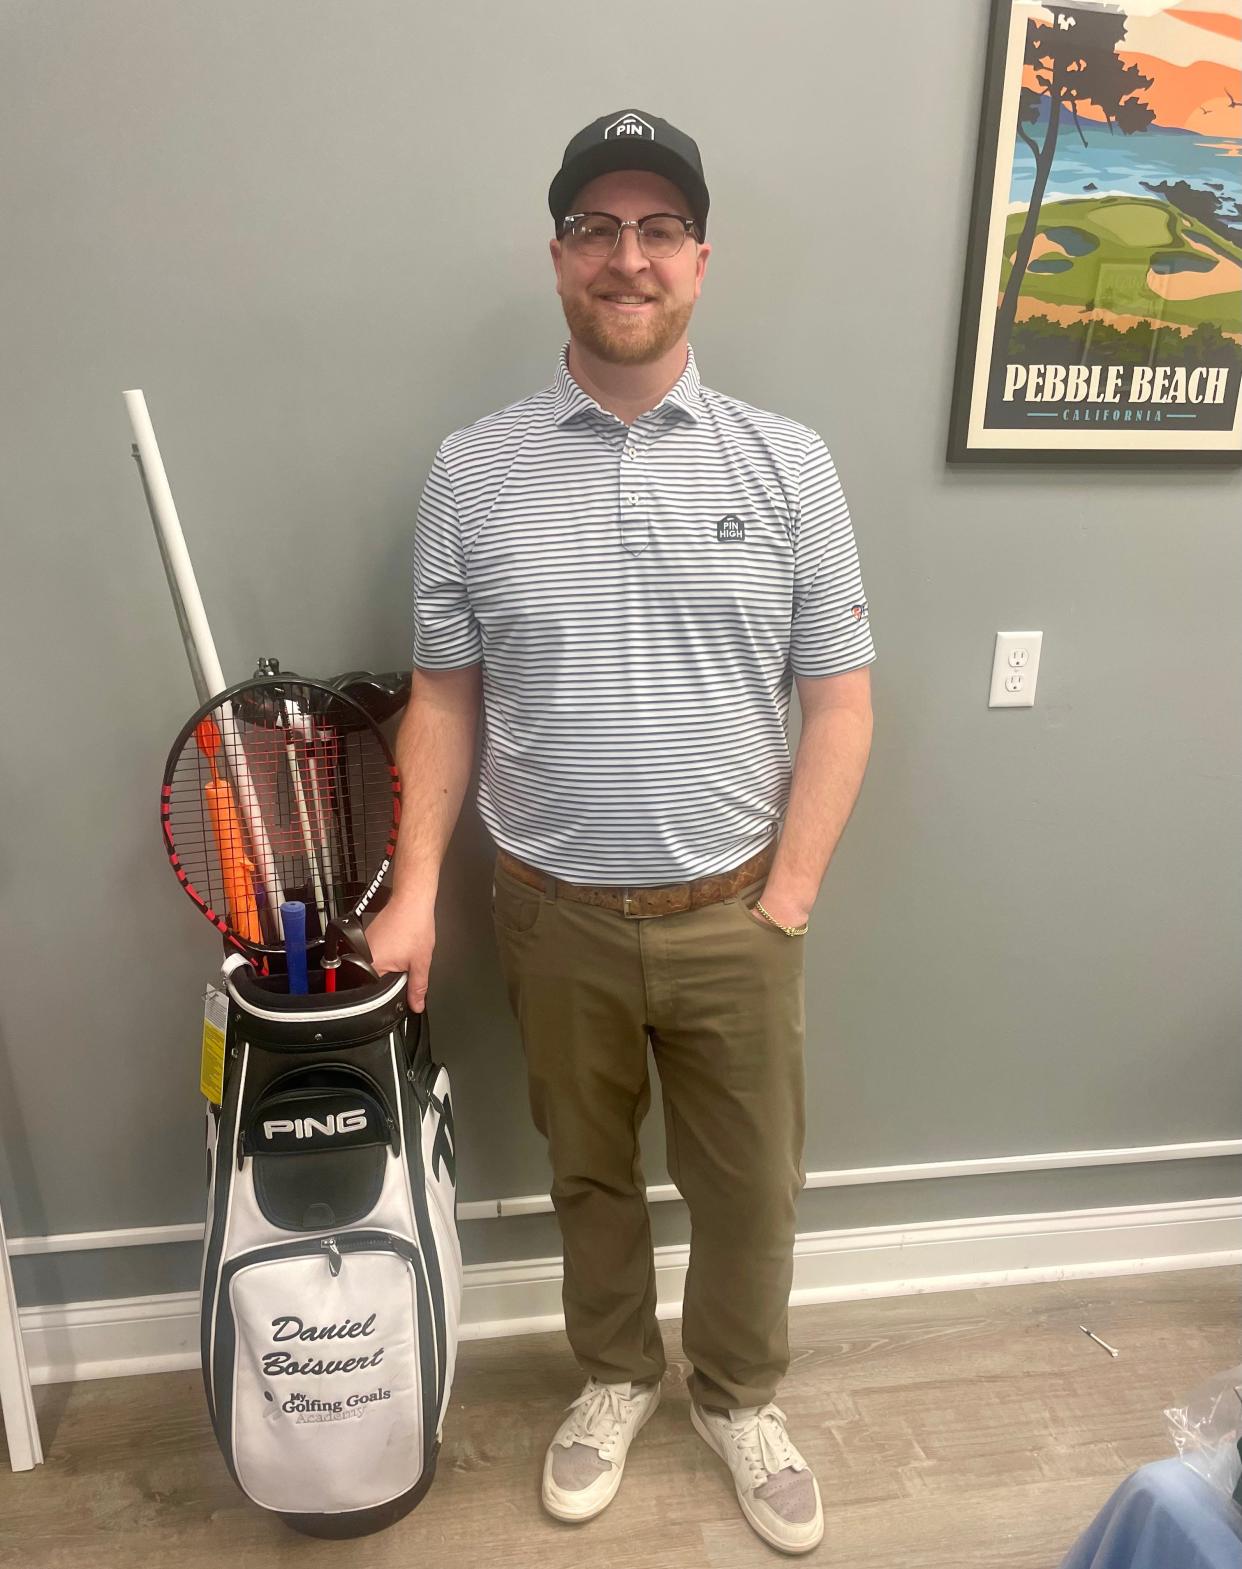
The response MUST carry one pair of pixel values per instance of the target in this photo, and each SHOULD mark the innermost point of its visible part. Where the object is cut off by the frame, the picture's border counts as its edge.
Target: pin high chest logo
(731, 528)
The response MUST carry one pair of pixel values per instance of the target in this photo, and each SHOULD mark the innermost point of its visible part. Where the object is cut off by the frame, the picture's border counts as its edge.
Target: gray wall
(316, 236)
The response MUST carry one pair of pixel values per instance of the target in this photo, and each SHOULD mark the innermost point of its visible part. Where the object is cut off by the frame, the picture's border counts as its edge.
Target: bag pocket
(319, 1140)
(324, 1396)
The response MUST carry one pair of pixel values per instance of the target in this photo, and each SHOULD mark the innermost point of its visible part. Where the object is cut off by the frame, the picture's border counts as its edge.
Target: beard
(625, 340)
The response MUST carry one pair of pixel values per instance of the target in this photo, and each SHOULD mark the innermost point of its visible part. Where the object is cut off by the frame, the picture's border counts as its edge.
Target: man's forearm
(435, 754)
(828, 772)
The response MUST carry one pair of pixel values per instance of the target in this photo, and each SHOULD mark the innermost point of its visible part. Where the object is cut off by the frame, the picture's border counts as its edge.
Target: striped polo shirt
(640, 597)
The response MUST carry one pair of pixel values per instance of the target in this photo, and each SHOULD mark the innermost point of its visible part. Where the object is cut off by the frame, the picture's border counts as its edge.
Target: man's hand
(403, 937)
(435, 747)
(828, 770)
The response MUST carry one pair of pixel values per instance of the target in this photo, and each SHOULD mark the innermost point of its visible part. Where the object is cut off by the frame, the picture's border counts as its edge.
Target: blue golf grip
(293, 918)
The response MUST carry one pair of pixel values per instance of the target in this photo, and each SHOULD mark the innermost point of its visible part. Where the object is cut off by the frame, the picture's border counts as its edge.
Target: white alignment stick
(299, 796)
(200, 644)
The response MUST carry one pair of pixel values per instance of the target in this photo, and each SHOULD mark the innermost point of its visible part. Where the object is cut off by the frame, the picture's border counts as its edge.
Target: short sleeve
(446, 634)
(831, 629)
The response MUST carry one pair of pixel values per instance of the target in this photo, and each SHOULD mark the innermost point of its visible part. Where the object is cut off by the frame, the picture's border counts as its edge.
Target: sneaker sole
(756, 1525)
(573, 1517)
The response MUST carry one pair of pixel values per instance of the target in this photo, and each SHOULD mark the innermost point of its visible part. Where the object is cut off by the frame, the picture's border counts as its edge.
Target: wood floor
(960, 1429)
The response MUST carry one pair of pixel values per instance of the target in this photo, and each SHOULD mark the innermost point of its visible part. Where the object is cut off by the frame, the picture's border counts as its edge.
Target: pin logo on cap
(628, 139)
(630, 125)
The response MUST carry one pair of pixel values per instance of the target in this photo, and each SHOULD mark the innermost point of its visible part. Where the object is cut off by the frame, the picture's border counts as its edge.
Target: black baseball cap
(631, 139)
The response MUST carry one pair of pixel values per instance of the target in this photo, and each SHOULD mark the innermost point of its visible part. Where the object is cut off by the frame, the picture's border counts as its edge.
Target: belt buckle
(630, 915)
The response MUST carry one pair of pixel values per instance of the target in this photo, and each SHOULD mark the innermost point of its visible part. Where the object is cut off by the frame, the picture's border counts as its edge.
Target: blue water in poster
(1115, 162)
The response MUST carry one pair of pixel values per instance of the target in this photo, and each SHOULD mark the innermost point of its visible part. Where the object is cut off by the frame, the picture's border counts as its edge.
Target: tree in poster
(1074, 60)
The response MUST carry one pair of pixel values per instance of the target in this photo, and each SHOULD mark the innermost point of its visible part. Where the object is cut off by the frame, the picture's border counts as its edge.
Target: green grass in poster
(1107, 252)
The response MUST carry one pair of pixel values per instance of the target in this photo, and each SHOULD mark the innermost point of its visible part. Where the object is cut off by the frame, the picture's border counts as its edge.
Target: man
(627, 571)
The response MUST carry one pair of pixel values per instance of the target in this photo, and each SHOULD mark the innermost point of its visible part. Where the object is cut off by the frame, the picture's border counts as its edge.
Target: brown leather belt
(667, 899)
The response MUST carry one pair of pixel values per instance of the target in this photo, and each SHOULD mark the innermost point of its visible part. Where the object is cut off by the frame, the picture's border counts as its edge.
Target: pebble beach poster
(1102, 316)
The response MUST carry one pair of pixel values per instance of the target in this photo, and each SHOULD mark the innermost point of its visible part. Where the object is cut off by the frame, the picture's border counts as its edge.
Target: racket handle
(293, 917)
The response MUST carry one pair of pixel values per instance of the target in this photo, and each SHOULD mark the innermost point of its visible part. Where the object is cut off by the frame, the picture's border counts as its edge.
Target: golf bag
(331, 1282)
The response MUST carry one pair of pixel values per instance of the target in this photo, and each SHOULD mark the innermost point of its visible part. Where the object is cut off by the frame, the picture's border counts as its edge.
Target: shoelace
(764, 1443)
(599, 1417)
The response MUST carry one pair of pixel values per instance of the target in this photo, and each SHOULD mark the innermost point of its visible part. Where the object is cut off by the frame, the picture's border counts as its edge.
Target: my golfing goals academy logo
(309, 1408)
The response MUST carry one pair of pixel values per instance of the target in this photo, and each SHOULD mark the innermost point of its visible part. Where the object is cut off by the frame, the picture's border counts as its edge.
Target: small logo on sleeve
(859, 612)
(731, 528)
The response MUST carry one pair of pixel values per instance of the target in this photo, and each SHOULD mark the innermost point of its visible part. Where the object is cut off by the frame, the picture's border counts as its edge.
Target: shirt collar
(569, 401)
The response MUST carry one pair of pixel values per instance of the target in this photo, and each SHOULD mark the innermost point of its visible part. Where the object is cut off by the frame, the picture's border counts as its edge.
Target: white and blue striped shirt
(640, 598)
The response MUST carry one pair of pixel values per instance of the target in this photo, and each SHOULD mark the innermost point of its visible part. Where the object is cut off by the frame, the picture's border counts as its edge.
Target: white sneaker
(775, 1487)
(582, 1471)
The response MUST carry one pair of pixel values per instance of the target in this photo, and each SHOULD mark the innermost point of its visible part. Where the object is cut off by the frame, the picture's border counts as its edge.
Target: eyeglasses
(660, 234)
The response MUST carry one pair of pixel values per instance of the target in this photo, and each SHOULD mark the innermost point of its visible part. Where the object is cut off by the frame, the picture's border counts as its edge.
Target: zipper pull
(333, 1252)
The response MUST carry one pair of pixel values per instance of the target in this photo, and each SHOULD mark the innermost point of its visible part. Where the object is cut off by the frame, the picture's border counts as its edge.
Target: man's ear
(705, 251)
(554, 246)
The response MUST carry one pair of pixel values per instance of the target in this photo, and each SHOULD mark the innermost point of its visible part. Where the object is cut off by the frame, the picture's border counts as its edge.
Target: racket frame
(220, 708)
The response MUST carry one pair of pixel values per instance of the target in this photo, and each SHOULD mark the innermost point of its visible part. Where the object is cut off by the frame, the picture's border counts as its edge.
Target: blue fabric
(1165, 1516)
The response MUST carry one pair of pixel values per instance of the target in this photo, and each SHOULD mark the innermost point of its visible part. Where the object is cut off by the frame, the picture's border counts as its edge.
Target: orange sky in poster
(1192, 96)
(1213, 22)
(1184, 94)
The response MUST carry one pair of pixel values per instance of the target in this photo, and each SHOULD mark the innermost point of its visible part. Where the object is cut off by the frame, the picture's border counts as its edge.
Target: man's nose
(627, 254)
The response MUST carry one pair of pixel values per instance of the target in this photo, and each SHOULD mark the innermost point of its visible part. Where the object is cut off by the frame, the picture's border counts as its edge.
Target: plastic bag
(1206, 1431)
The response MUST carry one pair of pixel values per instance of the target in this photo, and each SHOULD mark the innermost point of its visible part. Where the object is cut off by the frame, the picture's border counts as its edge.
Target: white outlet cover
(1004, 670)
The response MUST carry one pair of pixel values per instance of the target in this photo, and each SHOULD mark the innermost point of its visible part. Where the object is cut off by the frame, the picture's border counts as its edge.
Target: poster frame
(960, 449)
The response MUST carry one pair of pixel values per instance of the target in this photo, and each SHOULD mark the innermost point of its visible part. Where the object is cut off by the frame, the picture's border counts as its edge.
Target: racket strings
(280, 797)
(273, 754)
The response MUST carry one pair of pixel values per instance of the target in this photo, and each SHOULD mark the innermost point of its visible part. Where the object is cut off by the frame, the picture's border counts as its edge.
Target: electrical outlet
(1015, 668)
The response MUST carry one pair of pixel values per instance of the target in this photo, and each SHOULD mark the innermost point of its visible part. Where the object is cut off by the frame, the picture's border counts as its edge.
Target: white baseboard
(665, 1192)
(160, 1334)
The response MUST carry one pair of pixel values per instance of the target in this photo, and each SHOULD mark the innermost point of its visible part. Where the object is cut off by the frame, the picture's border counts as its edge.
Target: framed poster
(1102, 313)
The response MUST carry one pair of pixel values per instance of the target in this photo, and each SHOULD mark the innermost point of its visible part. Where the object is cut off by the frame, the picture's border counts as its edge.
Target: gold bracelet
(789, 931)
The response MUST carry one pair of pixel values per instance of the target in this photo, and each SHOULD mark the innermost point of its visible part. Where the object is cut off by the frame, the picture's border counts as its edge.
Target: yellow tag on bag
(215, 1031)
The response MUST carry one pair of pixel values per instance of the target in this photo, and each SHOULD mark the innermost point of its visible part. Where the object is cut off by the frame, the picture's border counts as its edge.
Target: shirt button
(633, 500)
(631, 453)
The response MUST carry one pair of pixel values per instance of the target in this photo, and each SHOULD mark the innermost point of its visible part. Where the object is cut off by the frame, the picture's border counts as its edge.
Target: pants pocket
(515, 907)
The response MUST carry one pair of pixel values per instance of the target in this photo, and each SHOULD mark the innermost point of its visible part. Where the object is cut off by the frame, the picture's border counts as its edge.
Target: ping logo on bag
(299, 1121)
(309, 1127)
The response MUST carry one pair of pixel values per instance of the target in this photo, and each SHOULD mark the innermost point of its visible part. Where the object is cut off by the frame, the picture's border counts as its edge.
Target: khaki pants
(722, 1000)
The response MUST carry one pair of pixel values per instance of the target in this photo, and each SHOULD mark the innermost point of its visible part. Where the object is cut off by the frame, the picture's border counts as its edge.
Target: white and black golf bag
(331, 1285)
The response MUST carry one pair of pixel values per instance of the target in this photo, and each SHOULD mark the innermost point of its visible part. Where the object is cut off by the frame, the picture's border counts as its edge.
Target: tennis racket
(280, 789)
